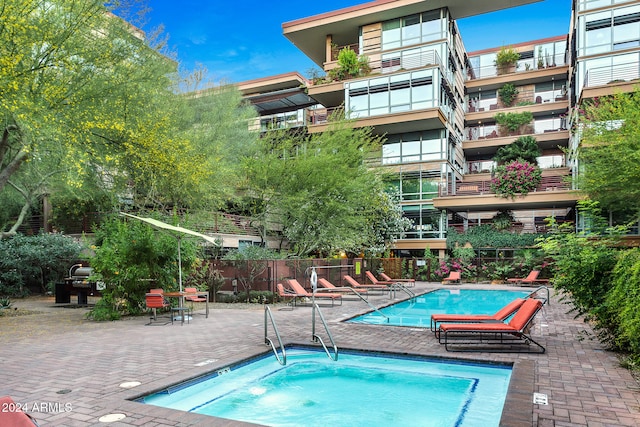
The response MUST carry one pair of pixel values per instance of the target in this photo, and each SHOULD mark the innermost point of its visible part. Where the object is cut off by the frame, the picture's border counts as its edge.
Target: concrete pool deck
(67, 371)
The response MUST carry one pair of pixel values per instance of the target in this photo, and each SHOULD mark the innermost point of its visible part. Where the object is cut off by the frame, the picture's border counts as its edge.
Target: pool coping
(517, 410)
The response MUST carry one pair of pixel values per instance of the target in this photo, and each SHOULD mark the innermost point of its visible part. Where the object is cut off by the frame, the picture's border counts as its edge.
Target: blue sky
(238, 41)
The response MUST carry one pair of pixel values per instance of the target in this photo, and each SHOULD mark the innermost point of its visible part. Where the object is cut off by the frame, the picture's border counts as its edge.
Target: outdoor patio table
(182, 295)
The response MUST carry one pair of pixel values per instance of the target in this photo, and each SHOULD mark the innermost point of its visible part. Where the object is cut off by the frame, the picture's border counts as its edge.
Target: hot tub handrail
(539, 288)
(269, 316)
(317, 338)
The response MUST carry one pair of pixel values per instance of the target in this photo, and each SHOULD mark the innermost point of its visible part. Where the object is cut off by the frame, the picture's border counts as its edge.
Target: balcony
(407, 121)
(486, 139)
(554, 66)
(329, 90)
(476, 194)
(603, 81)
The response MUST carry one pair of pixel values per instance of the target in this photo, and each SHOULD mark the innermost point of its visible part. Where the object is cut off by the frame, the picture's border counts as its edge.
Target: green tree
(610, 152)
(86, 104)
(319, 189)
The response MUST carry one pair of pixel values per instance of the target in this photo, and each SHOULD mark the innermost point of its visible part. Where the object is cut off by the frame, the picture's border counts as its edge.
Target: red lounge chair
(375, 281)
(299, 291)
(531, 279)
(454, 277)
(282, 293)
(11, 414)
(329, 287)
(498, 336)
(406, 282)
(358, 286)
(500, 316)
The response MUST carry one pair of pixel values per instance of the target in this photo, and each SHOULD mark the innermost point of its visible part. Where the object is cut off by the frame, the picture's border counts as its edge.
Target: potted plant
(506, 60)
(513, 122)
(508, 94)
(517, 177)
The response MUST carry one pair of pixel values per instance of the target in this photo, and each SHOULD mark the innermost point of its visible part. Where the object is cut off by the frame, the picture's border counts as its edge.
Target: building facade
(446, 112)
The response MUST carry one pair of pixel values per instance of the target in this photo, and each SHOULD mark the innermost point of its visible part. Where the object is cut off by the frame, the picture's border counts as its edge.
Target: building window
(384, 95)
(412, 30)
(609, 31)
(550, 91)
(414, 147)
(483, 101)
(427, 221)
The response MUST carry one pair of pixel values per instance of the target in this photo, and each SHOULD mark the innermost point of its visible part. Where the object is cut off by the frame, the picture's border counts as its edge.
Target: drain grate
(540, 399)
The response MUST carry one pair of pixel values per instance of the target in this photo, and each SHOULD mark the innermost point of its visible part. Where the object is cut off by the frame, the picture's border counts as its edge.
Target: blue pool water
(417, 311)
(359, 389)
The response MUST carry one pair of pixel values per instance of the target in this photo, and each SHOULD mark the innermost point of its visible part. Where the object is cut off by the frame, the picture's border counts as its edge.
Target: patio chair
(359, 286)
(405, 282)
(193, 298)
(499, 316)
(375, 281)
(301, 292)
(495, 336)
(454, 277)
(531, 279)
(344, 291)
(154, 301)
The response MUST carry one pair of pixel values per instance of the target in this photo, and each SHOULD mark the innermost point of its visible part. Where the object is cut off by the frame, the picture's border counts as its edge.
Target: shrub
(516, 177)
(508, 94)
(525, 148)
(505, 58)
(34, 261)
(127, 255)
(623, 301)
(514, 121)
(350, 65)
(486, 236)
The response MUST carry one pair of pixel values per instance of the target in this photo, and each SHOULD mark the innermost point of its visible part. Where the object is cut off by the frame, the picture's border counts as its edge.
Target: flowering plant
(516, 177)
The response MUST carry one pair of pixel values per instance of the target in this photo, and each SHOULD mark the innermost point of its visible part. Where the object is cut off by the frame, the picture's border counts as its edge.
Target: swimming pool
(417, 311)
(372, 389)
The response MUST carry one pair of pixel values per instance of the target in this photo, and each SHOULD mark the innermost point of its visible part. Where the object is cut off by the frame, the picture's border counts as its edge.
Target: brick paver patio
(67, 370)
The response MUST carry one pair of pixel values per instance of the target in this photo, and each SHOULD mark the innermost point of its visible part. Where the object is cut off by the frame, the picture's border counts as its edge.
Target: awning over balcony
(281, 101)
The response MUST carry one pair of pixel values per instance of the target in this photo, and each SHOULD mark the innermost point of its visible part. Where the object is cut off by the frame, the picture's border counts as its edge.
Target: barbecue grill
(78, 283)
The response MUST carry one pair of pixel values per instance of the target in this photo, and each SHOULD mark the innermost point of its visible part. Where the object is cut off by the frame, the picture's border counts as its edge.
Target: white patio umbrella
(178, 232)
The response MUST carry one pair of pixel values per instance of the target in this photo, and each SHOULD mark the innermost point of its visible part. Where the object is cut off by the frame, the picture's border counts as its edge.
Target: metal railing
(316, 338)
(269, 316)
(612, 74)
(546, 288)
(483, 187)
(399, 286)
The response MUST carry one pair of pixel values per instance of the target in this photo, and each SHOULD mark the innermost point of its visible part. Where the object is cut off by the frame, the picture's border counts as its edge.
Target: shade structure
(177, 233)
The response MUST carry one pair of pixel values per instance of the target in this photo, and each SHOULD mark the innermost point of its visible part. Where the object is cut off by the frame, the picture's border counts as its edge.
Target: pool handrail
(269, 316)
(539, 288)
(402, 288)
(316, 338)
(359, 295)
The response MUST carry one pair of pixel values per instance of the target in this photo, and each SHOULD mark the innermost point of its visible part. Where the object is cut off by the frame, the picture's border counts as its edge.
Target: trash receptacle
(62, 295)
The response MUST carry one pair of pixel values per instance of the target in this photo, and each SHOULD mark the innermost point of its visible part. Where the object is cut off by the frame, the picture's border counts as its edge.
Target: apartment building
(440, 107)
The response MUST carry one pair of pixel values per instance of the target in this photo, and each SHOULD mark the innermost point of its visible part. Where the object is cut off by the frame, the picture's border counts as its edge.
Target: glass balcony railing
(524, 98)
(475, 133)
(544, 162)
(524, 65)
